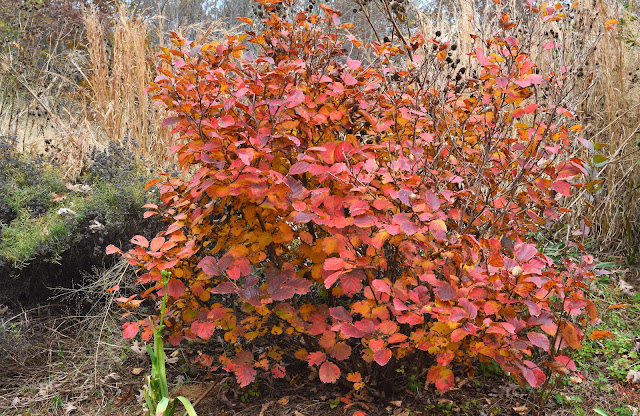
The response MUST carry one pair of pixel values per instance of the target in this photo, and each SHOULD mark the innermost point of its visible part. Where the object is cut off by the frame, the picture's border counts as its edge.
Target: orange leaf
(601, 334)
(245, 20)
(618, 306)
(571, 336)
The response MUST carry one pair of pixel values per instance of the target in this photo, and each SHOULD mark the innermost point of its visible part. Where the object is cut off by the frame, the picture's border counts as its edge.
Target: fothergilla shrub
(360, 211)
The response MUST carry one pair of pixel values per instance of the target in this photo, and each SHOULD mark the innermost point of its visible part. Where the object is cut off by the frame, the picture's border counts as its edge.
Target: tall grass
(121, 65)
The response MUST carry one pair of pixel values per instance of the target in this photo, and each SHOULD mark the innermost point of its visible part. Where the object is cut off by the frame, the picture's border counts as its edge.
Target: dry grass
(120, 68)
(56, 361)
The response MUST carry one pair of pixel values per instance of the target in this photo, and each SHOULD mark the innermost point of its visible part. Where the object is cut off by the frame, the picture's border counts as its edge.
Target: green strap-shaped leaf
(187, 405)
(162, 406)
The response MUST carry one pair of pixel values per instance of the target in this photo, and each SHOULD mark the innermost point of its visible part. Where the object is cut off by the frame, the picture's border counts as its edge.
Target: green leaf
(187, 405)
(599, 160)
(162, 406)
(600, 412)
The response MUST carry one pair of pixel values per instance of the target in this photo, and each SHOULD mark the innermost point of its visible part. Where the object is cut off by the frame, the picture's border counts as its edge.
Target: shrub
(364, 211)
(52, 231)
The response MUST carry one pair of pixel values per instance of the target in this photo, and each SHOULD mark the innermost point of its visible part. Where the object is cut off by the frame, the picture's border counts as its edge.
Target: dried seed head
(517, 271)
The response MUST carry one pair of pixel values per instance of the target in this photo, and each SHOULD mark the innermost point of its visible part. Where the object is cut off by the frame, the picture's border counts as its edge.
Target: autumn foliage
(338, 197)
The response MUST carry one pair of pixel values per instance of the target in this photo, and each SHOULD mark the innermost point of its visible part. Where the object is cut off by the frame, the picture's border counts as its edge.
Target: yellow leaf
(610, 22)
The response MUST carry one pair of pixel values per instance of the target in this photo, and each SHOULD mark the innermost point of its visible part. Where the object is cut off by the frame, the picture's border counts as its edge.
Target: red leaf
(469, 307)
(340, 313)
(156, 243)
(304, 217)
(351, 331)
(243, 368)
(226, 121)
(482, 58)
(329, 281)
(349, 79)
(329, 372)
(225, 288)
(175, 288)
(396, 338)
(130, 329)
(442, 377)
(382, 357)
(334, 263)
(351, 283)
(209, 266)
(141, 241)
(203, 329)
(539, 340)
(439, 229)
(353, 64)
(245, 155)
(535, 377)
(531, 108)
(561, 187)
(111, 249)
(406, 225)
(170, 121)
(381, 286)
(525, 252)
(446, 292)
(530, 79)
(316, 358)
(298, 168)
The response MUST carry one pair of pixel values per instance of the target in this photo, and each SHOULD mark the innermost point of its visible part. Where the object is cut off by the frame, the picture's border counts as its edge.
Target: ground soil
(52, 366)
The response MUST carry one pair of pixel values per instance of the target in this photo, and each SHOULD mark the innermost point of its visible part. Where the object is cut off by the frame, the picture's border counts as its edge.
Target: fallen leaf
(575, 379)
(633, 377)
(55, 198)
(626, 289)
(135, 347)
(137, 371)
(283, 401)
(618, 306)
(396, 403)
(264, 408)
(68, 408)
(601, 334)
(521, 410)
